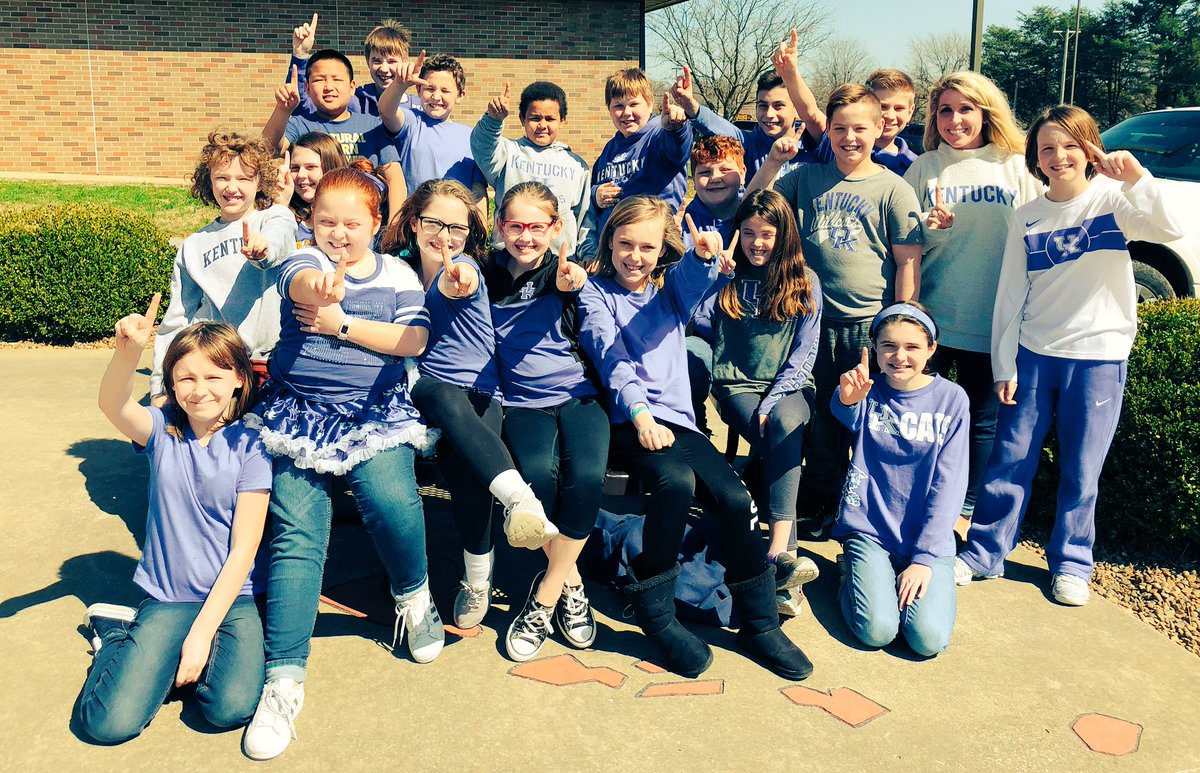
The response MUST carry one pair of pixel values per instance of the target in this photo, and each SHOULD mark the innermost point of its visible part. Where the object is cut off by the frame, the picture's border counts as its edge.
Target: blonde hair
(224, 146)
(639, 209)
(626, 83)
(389, 38)
(1000, 126)
(890, 79)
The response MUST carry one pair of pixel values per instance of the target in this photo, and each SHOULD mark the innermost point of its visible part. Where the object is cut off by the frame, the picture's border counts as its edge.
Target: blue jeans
(385, 489)
(135, 669)
(871, 603)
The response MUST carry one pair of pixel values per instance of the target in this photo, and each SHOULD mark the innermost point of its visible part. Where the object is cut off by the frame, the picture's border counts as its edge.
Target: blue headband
(908, 310)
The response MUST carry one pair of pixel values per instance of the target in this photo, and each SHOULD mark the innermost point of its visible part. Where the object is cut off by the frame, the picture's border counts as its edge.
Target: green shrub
(68, 273)
(1150, 486)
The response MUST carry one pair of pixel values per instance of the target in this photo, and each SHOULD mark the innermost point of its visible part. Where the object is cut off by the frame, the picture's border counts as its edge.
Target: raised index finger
(795, 44)
(312, 25)
(937, 195)
(245, 231)
(1098, 151)
(687, 77)
(152, 309)
(507, 88)
(693, 230)
(339, 273)
(866, 358)
(295, 76)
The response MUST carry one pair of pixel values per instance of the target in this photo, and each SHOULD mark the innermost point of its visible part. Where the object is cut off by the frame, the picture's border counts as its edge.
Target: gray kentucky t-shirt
(847, 228)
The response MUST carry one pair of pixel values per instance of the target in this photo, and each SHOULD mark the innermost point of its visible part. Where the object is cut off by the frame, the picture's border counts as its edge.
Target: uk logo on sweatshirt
(922, 427)
(1048, 249)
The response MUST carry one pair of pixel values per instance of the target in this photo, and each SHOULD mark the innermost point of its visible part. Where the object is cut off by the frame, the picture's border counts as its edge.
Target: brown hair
(400, 236)
(627, 83)
(638, 209)
(714, 148)
(446, 63)
(895, 319)
(850, 94)
(1075, 121)
(890, 79)
(537, 193)
(999, 125)
(330, 152)
(788, 291)
(222, 148)
(220, 343)
(389, 38)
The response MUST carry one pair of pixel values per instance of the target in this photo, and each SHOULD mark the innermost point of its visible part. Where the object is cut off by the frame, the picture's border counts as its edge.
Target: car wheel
(1151, 284)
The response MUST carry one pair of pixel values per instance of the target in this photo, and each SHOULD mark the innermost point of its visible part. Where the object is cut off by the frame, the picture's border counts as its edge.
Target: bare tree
(933, 55)
(840, 60)
(728, 43)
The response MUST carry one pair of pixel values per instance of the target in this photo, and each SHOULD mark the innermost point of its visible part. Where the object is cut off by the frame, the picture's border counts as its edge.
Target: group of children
(339, 318)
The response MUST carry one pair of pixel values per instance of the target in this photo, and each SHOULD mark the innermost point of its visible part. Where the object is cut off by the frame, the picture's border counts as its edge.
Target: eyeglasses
(431, 226)
(514, 228)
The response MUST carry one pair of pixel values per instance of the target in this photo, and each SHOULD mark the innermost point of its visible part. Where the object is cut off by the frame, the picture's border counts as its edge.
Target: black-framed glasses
(514, 228)
(431, 226)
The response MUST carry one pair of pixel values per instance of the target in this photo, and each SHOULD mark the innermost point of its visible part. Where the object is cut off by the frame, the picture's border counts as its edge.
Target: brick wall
(125, 88)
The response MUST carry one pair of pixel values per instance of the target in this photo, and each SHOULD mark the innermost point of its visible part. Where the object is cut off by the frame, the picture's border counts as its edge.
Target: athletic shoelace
(575, 606)
(277, 704)
(475, 596)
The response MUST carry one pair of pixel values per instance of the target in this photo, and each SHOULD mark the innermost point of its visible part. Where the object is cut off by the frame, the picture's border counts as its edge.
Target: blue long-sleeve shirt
(462, 344)
(755, 143)
(908, 477)
(651, 162)
(636, 340)
(537, 335)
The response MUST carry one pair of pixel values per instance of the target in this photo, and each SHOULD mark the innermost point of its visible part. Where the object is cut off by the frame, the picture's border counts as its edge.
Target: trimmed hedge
(1150, 486)
(68, 273)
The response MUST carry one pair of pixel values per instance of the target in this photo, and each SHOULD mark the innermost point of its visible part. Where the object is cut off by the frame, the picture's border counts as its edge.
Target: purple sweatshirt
(537, 335)
(636, 339)
(652, 162)
(908, 478)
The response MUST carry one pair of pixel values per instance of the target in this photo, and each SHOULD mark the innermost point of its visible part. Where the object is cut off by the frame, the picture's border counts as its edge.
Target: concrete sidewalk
(1019, 674)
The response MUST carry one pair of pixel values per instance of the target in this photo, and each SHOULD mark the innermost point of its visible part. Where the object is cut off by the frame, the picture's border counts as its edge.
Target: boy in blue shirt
(773, 110)
(428, 144)
(897, 99)
(385, 49)
(330, 85)
(647, 156)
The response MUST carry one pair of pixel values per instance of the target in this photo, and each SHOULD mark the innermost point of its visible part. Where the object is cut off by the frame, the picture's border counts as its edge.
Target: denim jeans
(974, 375)
(135, 669)
(385, 489)
(870, 601)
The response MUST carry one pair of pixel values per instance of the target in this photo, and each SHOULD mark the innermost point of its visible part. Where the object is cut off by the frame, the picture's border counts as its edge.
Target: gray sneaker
(418, 617)
(794, 571)
(471, 603)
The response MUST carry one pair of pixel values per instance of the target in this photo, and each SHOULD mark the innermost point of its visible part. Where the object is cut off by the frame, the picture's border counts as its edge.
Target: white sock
(478, 568)
(509, 487)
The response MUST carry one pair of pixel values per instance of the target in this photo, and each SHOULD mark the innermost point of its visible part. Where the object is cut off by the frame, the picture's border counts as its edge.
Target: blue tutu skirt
(333, 437)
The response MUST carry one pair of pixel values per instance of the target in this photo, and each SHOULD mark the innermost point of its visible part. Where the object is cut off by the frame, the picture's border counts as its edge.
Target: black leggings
(670, 477)
(563, 452)
(470, 453)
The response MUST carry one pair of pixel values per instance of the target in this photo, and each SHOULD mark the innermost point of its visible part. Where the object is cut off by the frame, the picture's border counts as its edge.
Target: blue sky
(886, 26)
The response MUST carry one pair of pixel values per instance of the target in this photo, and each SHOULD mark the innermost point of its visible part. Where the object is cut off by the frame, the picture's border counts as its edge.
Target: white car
(1167, 142)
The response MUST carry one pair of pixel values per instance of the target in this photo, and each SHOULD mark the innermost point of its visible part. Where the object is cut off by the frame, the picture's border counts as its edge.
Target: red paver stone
(676, 689)
(566, 669)
(850, 706)
(650, 667)
(1108, 735)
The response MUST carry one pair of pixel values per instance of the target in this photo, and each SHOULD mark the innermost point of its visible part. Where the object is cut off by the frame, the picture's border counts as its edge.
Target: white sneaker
(963, 573)
(574, 617)
(529, 629)
(1070, 590)
(471, 603)
(274, 723)
(526, 524)
(420, 620)
(102, 617)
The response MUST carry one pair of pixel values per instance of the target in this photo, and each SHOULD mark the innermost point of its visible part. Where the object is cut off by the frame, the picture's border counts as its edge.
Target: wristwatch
(344, 330)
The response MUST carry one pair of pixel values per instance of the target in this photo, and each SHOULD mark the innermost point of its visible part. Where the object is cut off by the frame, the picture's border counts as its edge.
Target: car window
(1168, 144)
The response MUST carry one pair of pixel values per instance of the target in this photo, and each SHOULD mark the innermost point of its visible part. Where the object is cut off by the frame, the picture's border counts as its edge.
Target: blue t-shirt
(537, 335)
(322, 368)
(359, 134)
(430, 149)
(193, 491)
(908, 477)
(462, 341)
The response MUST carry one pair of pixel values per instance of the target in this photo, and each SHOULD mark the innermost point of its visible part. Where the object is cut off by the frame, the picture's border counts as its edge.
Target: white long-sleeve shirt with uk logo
(1066, 284)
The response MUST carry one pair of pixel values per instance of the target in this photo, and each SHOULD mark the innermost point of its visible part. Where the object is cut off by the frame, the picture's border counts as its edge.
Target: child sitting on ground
(536, 157)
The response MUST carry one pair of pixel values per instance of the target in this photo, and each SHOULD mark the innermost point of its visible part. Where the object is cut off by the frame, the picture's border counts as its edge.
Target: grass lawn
(171, 206)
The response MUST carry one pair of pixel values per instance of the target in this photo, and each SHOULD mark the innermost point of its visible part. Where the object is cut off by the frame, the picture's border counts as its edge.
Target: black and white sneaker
(574, 617)
(103, 618)
(529, 629)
